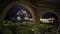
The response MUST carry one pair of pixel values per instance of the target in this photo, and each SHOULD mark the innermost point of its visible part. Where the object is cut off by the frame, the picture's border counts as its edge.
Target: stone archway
(6, 9)
(11, 4)
(45, 19)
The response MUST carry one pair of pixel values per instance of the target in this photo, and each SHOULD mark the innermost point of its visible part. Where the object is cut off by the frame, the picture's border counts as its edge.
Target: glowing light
(18, 13)
(23, 11)
(33, 29)
(18, 18)
(47, 20)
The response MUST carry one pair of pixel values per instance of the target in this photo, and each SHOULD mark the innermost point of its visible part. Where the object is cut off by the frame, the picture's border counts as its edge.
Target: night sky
(49, 15)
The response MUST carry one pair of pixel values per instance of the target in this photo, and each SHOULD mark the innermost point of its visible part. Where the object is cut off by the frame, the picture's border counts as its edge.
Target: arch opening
(19, 20)
(49, 17)
(48, 23)
(19, 13)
